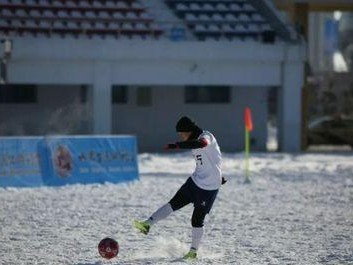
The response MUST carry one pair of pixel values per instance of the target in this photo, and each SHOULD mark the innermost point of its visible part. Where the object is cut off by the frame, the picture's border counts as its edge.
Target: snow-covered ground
(298, 209)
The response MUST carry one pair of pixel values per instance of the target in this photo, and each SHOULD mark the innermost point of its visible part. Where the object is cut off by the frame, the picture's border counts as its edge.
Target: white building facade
(74, 80)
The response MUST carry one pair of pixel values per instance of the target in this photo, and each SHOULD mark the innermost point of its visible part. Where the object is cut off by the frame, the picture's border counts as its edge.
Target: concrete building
(116, 85)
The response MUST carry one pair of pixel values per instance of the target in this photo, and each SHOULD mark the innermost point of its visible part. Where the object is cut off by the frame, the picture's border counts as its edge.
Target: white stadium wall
(156, 123)
(250, 68)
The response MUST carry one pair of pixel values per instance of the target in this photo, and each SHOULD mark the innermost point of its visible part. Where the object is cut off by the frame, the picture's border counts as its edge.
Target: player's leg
(183, 196)
(162, 213)
(179, 200)
(203, 203)
(197, 231)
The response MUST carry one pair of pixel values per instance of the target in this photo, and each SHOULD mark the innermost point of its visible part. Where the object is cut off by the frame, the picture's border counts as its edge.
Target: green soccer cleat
(191, 255)
(142, 226)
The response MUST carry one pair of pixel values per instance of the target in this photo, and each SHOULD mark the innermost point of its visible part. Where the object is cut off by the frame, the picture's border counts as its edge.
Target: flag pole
(248, 129)
(247, 154)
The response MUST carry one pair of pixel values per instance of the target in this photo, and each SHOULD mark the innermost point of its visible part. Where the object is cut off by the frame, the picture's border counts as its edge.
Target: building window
(119, 94)
(83, 94)
(207, 94)
(18, 94)
(144, 96)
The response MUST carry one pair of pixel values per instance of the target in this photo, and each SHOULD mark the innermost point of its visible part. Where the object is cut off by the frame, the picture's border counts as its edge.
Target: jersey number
(199, 158)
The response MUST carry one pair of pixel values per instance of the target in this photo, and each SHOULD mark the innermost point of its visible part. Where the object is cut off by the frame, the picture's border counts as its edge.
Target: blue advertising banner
(87, 159)
(20, 162)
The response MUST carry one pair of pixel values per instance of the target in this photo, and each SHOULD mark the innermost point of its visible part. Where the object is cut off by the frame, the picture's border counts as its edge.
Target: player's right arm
(192, 144)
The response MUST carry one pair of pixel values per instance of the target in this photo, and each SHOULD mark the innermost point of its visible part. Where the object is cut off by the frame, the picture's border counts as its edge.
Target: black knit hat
(185, 124)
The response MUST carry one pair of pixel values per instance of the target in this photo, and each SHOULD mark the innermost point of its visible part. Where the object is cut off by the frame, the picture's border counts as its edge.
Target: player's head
(185, 127)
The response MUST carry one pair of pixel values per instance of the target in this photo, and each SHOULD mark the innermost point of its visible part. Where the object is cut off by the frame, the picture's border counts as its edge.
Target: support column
(101, 99)
(301, 17)
(290, 98)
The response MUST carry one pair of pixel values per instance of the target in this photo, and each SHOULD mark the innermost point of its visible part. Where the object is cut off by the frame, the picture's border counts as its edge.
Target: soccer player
(200, 189)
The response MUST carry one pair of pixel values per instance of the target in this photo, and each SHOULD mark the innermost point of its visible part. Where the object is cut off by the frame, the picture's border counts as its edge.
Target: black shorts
(189, 192)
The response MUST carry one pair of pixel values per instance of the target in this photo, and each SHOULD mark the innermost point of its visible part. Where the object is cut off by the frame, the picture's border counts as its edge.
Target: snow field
(298, 209)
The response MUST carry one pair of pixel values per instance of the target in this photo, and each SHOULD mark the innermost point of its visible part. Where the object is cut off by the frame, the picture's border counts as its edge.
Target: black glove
(223, 181)
(171, 146)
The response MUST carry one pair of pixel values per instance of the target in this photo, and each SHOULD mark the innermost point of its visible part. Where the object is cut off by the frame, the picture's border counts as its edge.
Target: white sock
(160, 214)
(197, 233)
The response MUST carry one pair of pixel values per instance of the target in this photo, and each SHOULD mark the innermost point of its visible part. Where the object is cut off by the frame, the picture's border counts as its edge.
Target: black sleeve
(193, 144)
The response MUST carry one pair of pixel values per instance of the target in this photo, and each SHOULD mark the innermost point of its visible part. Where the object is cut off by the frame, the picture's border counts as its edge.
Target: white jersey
(207, 174)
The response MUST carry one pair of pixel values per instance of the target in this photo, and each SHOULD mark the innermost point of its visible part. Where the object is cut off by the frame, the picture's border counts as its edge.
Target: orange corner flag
(248, 121)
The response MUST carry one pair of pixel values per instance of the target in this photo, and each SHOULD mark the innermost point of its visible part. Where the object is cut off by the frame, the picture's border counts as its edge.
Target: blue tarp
(19, 162)
(61, 160)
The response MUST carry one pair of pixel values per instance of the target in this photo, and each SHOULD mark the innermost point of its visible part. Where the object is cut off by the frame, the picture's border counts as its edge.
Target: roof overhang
(317, 5)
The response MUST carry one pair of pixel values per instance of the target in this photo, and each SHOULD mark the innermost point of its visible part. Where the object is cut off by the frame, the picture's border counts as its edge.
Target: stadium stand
(77, 18)
(221, 19)
(198, 19)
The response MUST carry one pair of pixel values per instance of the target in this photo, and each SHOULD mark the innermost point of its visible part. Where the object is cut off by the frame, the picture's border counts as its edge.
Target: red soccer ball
(108, 248)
